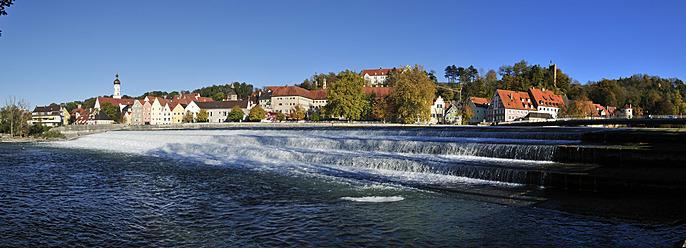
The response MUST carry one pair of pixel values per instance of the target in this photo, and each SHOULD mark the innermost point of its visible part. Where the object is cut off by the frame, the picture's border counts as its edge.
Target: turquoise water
(320, 187)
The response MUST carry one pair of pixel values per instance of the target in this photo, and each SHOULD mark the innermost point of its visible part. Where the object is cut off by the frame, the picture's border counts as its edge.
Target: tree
(3, 4)
(413, 95)
(575, 109)
(314, 116)
(451, 74)
(219, 96)
(15, 115)
(467, 114)
(379, 110)
(280, 117)
(113, 111)
(345, 96)
(236, 114)
(202, 116)
(188, 117)
(257, 113)
(298, 113)
(243, 90)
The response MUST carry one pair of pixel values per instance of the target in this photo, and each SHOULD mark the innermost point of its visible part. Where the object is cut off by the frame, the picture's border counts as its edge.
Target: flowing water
(255, 187)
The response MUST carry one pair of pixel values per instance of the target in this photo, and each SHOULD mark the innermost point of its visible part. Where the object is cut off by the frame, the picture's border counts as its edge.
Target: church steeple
(117, 87)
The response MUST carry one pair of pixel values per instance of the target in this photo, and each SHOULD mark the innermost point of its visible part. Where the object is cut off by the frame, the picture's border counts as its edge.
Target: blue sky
(61, 51)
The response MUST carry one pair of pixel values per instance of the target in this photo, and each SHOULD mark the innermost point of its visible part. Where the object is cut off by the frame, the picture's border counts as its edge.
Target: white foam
(243, 147)
(374, 199)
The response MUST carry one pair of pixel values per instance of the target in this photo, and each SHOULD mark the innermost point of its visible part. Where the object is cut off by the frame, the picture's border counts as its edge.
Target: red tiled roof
(480, 101)
(188, 98)
(161, 100)
(114, 101)
(591, 108)
(378, 72)
(84, 117)
(611, 109)
(317, 94)
(222, 104)
(585, 106)
(78, 110)
(516, 100)
(546, 98)
(381, 92)
(290, 91)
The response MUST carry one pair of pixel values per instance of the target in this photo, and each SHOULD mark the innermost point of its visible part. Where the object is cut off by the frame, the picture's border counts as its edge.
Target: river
(317, 187)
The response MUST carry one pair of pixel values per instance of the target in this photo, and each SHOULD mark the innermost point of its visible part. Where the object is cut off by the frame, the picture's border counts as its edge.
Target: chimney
(78, 106)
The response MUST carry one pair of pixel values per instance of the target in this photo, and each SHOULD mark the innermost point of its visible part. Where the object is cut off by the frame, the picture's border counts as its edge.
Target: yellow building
(177, 113)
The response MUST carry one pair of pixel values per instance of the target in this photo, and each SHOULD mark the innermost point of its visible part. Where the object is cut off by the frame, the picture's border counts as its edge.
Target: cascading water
(406, 156)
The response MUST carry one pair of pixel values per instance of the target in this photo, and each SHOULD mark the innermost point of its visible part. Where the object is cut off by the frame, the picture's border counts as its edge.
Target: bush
(37, 130)
(53, 135)
(280, 117)
(314, 117)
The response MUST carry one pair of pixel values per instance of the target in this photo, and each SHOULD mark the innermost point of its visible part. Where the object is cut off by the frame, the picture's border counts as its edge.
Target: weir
(566, 158)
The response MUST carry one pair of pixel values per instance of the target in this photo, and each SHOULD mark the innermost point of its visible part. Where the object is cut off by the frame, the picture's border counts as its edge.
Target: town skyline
(62, 52)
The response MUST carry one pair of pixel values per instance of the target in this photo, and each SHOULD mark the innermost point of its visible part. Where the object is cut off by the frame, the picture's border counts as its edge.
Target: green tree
(113, 111)
(219, 96)
(467, 115)
(202, 116)
(345, 96)
(188, 117)
(314, 116)
(490, 84)
(298, 113)
(379, 110)
(236, 114)
(257, 113)
(576, 108)
(15, 115)
(412, 95)
(280, 117)
(451, 74)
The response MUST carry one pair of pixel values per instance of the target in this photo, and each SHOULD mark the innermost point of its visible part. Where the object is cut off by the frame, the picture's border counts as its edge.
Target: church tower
(117, 88)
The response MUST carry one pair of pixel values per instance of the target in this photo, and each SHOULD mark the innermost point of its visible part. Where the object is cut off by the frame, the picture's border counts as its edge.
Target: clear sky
(61, 51)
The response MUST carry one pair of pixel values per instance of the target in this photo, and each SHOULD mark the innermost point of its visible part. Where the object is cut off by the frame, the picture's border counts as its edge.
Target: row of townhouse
(505, 106)
(159, 111)
(53, 116)
(542, 104)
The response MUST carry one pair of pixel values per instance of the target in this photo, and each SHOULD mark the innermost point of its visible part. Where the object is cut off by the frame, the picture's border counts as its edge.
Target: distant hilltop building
(117, 88)
(377, 77)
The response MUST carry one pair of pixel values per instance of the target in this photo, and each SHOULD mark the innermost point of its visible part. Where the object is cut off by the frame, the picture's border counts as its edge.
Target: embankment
(627, 160)
(75, 131)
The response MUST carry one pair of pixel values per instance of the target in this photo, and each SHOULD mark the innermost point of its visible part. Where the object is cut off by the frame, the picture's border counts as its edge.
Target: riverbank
(17, 139)
(75, 131)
